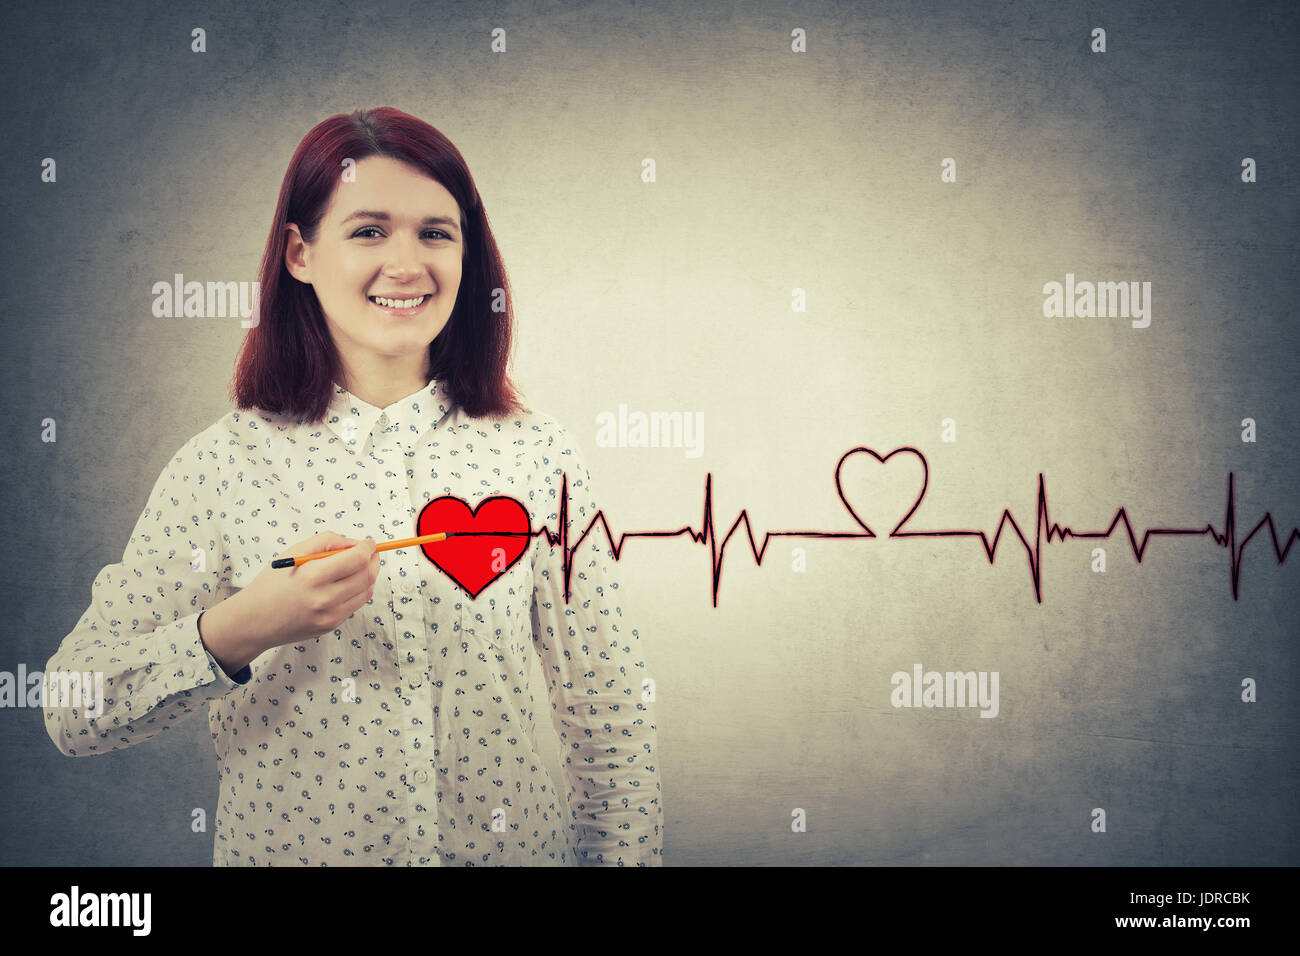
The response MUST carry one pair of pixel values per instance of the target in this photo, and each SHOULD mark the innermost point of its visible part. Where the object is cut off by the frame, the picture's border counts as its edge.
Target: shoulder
(243, 431)
(234, 433)
(530, 428)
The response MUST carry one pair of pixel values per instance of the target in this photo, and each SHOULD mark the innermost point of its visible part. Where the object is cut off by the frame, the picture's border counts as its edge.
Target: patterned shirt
(406, 736)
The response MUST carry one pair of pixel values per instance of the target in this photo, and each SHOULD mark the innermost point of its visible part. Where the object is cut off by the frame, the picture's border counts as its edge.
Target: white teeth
(398, 303)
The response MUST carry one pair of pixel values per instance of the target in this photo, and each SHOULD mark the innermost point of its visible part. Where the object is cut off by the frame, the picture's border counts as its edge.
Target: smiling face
(394, 234)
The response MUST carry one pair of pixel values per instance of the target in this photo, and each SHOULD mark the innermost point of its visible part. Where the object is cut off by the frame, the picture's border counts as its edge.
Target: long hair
(288, 362)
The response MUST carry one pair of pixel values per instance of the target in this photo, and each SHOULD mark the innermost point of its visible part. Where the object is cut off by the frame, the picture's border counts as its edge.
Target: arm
(140, 635)
(593, 665)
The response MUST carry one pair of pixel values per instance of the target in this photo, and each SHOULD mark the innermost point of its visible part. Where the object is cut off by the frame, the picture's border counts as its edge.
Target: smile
(400, 306)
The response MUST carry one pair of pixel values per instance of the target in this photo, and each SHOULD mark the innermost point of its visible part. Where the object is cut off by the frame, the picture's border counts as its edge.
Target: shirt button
(421, 776)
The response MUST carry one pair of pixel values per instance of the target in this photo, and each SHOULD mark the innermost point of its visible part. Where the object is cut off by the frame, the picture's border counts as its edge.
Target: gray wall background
(775, 171)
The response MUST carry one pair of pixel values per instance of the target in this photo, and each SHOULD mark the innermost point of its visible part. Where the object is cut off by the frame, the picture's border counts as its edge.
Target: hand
(292, 605)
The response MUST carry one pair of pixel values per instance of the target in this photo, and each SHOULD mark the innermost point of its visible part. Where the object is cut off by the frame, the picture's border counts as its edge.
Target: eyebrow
(384, 217)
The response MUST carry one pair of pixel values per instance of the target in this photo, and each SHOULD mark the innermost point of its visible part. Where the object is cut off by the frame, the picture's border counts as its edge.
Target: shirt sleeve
(135, 659)
(591, 659)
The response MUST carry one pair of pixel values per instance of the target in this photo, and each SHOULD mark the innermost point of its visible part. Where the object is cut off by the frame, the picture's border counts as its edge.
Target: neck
(382, 388)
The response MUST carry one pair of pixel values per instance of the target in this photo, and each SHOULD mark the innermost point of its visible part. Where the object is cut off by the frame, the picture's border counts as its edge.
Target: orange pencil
(390, 545)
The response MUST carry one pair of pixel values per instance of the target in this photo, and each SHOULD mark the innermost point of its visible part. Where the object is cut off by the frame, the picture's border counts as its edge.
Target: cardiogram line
(1044, 527)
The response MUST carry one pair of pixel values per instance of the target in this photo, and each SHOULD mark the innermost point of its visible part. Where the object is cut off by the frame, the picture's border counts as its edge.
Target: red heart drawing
(925, 481)
(474, 562)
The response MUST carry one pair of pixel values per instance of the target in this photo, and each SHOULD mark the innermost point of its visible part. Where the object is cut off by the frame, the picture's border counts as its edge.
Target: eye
(358, 233)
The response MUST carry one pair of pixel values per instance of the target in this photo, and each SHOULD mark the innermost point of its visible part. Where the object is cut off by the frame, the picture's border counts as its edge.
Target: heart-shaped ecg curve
(477, 559)
(839, 487)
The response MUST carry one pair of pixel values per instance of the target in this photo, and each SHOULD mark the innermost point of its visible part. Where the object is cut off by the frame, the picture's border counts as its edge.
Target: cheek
(450, 271)
(339, 281)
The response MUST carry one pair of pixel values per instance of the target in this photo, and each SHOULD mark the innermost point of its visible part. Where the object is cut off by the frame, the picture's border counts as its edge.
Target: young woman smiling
(373, 708)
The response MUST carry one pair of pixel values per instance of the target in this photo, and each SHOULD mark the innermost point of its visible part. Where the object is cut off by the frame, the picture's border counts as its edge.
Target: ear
(297, 255)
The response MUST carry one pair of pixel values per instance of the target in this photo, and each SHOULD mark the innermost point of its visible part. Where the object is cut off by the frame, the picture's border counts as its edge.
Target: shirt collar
(403, 422)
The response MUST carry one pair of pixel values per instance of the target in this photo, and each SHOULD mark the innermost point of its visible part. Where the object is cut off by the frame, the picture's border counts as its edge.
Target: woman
(374, 708)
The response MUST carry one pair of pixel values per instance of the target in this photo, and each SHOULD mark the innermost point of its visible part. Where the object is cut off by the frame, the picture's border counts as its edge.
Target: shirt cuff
(215, 674)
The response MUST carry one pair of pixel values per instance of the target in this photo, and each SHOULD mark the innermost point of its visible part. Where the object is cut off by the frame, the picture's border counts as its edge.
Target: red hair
(288, 362)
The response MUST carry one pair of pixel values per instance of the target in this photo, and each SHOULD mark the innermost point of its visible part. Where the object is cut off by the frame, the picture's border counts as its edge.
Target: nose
(403, 257)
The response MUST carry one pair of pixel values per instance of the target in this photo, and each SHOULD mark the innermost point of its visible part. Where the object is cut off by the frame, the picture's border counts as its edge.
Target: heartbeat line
(1043, 533)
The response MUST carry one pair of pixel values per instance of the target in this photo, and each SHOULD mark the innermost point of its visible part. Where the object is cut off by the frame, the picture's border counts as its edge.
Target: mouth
(400, 306)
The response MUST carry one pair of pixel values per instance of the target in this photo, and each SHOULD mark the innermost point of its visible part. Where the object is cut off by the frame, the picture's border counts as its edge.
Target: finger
(342, 594)
(362, 600)
(318, 543)
(357, 599)
(342, 564)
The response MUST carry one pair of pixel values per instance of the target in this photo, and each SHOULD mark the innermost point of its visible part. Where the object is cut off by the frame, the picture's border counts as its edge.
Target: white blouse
(406, 736)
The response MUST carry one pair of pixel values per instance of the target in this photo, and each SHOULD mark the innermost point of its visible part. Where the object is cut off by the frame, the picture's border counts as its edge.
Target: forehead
(388, 185)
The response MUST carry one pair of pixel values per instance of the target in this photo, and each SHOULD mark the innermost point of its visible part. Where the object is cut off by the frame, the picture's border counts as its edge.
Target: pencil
(390, 545)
